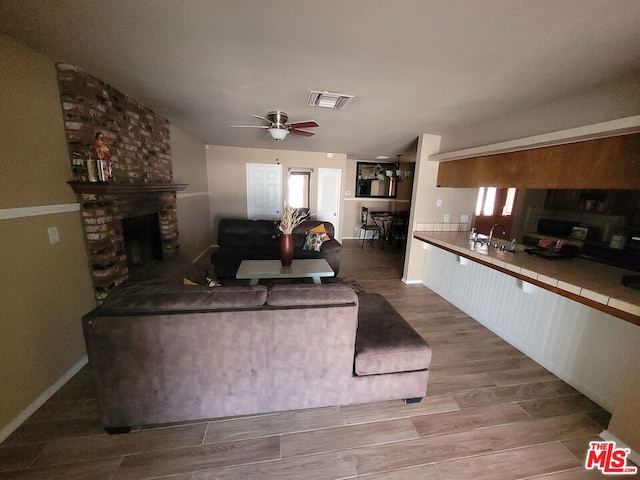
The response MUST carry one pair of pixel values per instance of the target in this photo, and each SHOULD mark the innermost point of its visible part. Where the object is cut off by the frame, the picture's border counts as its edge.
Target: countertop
(593, 284)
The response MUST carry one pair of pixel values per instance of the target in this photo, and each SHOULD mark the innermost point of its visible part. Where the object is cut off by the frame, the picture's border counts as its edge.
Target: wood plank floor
(490, 413)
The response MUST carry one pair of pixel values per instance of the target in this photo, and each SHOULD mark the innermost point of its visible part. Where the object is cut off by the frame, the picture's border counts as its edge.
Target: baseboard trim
(610, 437)
(367, 236)
(46, 395)
(411, 282)
(204, 252)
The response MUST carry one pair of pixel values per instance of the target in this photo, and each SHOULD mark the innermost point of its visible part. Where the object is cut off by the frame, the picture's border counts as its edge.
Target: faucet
(504, 231)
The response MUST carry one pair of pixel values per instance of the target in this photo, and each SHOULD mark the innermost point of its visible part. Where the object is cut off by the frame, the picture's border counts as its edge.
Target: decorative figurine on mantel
(103, 156)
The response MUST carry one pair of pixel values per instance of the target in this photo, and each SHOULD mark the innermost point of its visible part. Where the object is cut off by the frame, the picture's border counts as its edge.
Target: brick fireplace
(140, 154)
(102, 219)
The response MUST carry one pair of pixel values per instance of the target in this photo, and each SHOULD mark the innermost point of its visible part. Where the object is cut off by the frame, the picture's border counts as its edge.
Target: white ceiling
(421, 66)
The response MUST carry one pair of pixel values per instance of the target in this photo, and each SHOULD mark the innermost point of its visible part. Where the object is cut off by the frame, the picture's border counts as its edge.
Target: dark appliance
(627, 257)
(556, 228)
(632, 281)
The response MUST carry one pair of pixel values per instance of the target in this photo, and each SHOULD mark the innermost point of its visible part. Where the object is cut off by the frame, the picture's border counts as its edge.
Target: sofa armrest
(332, 251)
(330, 246)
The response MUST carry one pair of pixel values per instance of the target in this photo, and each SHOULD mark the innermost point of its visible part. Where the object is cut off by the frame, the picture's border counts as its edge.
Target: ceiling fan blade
(264, 119)
(305, 124)
(302, 132)
(249, 126)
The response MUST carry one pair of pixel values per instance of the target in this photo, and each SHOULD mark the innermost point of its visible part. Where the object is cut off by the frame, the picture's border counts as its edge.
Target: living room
(47, 286)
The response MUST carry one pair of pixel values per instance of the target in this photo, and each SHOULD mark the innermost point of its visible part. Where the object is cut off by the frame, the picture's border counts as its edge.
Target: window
(496, 202)
(507, 208)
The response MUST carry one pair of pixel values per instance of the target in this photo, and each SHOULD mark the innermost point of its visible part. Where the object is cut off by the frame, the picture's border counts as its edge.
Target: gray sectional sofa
(166, 353)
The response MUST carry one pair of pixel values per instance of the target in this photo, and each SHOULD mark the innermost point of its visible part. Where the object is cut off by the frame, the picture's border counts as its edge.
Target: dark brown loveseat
(240, 239)
(166, 353)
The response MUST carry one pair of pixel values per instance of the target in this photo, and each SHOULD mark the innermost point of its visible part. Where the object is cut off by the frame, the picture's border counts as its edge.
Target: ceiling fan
(279, 128)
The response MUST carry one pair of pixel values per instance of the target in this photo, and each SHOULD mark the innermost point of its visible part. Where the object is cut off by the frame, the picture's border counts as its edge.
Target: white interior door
(264, 191)
(329, 188)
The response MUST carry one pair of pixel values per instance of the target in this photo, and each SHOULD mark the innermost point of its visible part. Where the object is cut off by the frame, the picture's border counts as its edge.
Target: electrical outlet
(347, 193)
(446, 218)
(54, 237)
(464, 218)
(356, 229)
(439, 202)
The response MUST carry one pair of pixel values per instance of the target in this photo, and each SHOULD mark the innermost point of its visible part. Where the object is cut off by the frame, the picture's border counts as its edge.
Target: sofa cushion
(246, 233)
(170, 298)
(385, 342)
(304, 294)
(264, 252)
(303, 254)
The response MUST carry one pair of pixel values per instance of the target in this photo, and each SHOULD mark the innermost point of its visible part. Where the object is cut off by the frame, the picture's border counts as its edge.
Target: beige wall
(227, 171)
(45, 288)
(611, 100)
(34, 154)
(190, 166)
(454, 202)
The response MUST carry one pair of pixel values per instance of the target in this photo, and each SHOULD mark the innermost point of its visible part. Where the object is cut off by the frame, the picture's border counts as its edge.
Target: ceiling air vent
(337, 101)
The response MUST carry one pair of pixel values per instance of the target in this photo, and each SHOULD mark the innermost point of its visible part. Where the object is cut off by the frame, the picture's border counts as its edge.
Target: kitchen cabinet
(610, 162)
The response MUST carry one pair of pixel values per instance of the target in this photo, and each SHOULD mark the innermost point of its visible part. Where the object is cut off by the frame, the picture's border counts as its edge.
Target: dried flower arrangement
(291, 218)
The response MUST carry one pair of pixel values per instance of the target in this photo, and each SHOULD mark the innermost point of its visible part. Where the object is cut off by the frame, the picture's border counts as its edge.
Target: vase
(286, 249)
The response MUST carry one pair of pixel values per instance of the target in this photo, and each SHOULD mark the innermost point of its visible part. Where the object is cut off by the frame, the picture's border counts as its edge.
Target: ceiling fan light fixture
(336, 101)
(278, 133)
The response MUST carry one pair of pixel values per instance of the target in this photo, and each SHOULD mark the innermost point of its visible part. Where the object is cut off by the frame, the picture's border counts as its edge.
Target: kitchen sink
(484, 240)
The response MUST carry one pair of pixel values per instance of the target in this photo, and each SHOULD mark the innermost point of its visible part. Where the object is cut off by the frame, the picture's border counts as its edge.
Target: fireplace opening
(142, 241)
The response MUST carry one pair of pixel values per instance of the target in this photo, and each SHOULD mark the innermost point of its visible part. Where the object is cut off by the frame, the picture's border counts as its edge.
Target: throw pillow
(320, 229)
(314, 241)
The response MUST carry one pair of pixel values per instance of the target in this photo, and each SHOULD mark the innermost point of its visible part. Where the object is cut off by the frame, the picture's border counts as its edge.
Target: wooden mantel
(104, 188)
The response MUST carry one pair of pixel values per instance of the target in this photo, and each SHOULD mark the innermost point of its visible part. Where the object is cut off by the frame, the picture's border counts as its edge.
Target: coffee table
(254, 270)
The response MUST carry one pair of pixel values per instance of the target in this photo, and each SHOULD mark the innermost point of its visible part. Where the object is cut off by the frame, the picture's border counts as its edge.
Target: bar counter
(590, 283)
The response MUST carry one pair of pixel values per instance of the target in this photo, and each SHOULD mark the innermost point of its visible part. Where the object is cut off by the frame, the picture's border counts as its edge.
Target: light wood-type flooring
(490, 413)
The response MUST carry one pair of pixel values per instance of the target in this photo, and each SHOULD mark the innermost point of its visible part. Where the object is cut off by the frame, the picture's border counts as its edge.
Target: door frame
(337, 173)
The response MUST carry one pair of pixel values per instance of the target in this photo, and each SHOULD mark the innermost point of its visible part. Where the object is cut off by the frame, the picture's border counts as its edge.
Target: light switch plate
(439, 202)
(54, 237)
(447, 218)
